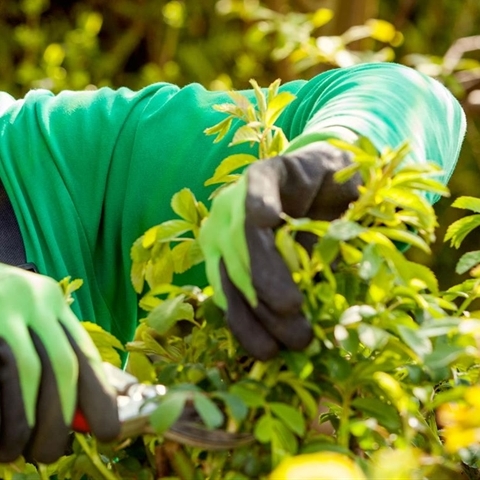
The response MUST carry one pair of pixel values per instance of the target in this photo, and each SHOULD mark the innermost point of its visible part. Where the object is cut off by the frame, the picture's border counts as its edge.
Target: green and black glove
(49, 367)
(250, 279)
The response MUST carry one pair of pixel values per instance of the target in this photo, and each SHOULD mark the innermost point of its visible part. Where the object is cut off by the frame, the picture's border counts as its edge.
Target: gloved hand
(249, 277)
(48, 368)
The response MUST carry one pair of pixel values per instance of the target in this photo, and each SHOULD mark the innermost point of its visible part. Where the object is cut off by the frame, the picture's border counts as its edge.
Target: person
(89, 172)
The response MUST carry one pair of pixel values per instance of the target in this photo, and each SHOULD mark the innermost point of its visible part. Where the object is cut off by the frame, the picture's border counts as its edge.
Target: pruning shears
(136, 401)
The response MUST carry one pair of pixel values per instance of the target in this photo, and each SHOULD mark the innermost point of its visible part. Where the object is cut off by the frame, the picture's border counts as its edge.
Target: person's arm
(386, 103)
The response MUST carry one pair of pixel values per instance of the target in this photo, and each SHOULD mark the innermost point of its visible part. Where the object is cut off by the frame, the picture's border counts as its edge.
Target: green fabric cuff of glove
(222, 237)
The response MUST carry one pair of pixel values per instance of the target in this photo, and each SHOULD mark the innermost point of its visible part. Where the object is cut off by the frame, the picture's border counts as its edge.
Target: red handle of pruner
(80, 423)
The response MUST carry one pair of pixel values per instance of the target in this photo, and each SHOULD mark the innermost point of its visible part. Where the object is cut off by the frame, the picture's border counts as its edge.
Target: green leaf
(416, 271)
(408, 200)
(249, 394)
(347, 339)
(394, 390)
(298, 362)
(202, 210)
(106, 343)
(338, 368)
(169, 312)
(220, 129)
(185, 255)
(456, 394)
(468, 261)
(436, 327)
(286, 246)
(278, 144)
(160, 269)
(230, 108)
(263, 429)
(350, 254)
(309, 402)
(418, 343)
(458, 230)
(260, 96)
(235, 405)
(229, 165)
(69, 286)
(467, 203)
(138, 253)
(317, 227)
(417, 182)
(168, 231)
(168, 411)
(284, 443)
(272, 90)
(356, 148)
(380, 410)
(290, 416)
(344, 230)
(341, 176)
(356, 314)
(245, 134)
(209, 412)
(371, 262)
(443, 356)
(276, 106)
(328, 248)
(243, 104)
(372, 337)
(404, 236)
(184, 205)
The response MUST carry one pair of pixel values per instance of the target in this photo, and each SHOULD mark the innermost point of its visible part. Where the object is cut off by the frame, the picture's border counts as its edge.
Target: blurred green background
(78, 44)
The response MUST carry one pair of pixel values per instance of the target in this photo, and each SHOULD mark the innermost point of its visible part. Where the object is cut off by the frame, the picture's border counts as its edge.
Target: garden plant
(388, 388)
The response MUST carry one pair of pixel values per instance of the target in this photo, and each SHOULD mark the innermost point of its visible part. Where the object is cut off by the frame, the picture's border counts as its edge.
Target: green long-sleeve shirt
(88, 172)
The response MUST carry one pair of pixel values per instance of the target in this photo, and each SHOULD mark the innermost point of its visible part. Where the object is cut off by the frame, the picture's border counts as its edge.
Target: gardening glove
(249, 277)
(49, 367)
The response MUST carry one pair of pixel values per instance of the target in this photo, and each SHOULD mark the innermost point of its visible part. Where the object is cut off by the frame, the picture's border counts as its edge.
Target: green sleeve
(388, 103)
(89, 172)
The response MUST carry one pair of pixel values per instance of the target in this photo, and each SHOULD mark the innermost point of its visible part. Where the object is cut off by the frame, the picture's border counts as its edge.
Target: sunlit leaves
(107, 345)
(223, 173)
(169, 312)
(468, 261)
(258, 127)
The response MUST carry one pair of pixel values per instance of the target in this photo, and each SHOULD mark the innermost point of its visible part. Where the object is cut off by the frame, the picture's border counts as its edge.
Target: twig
(94, 458)
(455, 53)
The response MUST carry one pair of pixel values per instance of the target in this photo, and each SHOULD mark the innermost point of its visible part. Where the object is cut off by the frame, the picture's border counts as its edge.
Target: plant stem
(258, 370)
(343, 429)
(94, 458)
(180, 461)
(42, 469)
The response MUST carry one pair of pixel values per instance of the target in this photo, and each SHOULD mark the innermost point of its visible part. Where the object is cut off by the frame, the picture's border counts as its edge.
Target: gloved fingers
(292, 330)
(271, 277)
(243, 324)
(14, 428)
(49, 438)
(96, 400)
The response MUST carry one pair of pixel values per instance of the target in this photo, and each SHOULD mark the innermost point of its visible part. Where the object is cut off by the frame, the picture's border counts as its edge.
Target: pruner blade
(136, 401)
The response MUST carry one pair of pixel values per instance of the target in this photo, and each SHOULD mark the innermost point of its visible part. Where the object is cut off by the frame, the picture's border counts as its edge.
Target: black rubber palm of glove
(300, 184)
